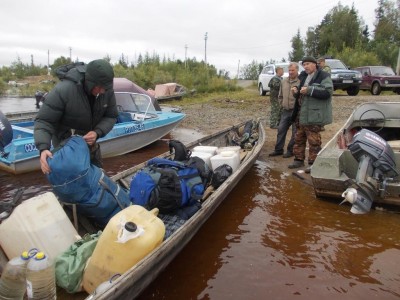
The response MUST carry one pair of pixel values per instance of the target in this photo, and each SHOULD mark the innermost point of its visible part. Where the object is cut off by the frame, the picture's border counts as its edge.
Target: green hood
(99, 73)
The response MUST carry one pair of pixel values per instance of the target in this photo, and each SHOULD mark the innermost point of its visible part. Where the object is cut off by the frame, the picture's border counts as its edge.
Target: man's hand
(43, 161)
(90, 138)
(303, 90)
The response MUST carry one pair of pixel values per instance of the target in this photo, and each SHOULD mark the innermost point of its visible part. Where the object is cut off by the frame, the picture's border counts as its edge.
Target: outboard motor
(376, 166)
(6, 134)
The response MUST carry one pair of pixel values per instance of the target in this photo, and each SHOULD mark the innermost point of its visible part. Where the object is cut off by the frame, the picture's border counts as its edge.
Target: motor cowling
(376, 166)
(366, 142)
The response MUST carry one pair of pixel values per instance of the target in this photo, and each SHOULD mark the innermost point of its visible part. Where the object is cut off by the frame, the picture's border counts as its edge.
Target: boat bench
(21, 132)
(395, 145)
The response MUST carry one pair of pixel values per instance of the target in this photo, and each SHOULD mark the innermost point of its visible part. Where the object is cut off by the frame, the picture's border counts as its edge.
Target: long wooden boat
(139, 124)
(335, 168)
(130, 284)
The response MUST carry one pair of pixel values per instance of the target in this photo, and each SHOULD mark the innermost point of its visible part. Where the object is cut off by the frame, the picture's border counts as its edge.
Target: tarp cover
(166, 89)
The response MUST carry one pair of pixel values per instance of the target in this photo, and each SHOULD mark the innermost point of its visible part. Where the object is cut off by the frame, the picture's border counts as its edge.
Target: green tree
(387, 32)
(340, 28)
(60, 61)
(123, 61)
(18, 68)
(312, 41)
(250, 71)
(297, 52)
(357, 56)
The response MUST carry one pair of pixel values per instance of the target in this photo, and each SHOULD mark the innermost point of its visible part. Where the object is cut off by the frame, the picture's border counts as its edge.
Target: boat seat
(124, 116)
(22, 129)
(395, 145)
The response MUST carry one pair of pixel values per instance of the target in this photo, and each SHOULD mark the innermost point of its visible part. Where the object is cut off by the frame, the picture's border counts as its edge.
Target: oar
(6, 134)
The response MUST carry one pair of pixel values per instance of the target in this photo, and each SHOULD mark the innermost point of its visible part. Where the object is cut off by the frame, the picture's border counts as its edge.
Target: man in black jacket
(82, 103)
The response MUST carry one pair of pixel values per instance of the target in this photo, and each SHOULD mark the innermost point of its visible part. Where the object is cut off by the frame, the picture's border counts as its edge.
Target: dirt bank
(222, 112)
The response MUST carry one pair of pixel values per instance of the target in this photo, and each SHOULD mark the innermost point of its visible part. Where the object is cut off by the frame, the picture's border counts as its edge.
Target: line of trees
(148, 71)
(342, 34)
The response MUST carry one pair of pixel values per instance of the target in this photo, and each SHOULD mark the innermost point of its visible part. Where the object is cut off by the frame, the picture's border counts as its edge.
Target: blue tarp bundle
(76, 181)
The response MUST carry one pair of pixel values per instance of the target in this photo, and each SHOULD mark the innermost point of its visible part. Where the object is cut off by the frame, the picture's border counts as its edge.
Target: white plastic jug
(39, 222)
(226, 157)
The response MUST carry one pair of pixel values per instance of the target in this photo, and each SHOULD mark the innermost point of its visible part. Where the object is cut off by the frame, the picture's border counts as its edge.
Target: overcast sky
(237, 31)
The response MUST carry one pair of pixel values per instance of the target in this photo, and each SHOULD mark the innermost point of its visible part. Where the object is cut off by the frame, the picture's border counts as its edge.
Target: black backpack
(221, 174)
(204, 170)
(181, 153)
(167, 185)
(62, 71)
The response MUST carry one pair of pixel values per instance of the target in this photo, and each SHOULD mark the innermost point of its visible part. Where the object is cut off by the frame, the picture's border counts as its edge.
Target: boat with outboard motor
(141, 121)
(131, 283)
(360, 162)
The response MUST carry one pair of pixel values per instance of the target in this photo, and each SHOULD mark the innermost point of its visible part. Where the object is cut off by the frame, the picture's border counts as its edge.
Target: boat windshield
(133, 102)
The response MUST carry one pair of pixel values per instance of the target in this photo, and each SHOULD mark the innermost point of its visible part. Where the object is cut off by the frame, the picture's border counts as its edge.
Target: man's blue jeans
(283, 128)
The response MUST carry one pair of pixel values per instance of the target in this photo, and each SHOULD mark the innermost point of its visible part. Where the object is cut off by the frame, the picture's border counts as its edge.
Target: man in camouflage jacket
(274, 86)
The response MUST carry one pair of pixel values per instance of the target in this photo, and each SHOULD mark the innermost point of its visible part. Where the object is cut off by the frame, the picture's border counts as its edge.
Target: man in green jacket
(312, 110)
(82, 103)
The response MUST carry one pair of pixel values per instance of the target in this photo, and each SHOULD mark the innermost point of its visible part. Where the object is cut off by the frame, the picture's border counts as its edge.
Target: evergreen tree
(312, 41)
(297, 52)
(387, 32)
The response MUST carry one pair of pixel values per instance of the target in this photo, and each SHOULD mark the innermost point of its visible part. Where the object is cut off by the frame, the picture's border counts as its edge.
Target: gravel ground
(222, 112)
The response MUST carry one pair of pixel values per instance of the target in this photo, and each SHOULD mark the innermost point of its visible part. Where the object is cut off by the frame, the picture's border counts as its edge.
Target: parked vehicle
(343, 78)
(379, 78)
(268, 72)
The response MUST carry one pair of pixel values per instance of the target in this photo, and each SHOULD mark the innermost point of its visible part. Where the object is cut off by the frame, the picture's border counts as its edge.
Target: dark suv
(343, 78)
(379, 78)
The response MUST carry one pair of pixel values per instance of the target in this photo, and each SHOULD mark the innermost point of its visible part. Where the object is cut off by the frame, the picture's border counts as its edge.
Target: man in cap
(312, 110)
(82, 103)
(323, 66)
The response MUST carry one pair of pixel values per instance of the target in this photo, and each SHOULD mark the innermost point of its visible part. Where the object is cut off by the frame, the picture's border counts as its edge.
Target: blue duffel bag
(75, 181)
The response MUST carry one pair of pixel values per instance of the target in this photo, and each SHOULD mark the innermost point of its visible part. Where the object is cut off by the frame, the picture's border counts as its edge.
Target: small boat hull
(136, 130)
(335, 168)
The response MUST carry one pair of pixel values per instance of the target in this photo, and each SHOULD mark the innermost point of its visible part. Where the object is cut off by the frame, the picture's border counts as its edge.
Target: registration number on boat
(134, 128)
(30, 148)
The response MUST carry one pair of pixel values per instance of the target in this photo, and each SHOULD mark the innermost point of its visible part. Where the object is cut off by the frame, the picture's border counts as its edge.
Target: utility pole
(186, 47)
(238, 70)
(48, 62)
(70, 54)
(205, 48)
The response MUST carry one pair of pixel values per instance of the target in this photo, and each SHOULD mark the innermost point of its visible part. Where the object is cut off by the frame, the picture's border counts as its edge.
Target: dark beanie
(100, 72)
(309, 59)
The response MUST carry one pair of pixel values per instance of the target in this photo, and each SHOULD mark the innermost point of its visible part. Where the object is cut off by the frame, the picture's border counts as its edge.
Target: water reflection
(17, 104)
(271, 238)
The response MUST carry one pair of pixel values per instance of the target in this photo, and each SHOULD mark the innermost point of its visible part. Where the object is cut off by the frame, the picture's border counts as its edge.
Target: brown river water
(270, 239)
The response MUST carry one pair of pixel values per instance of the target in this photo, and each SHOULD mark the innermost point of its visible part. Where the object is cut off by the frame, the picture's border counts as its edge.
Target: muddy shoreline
(220, 113)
